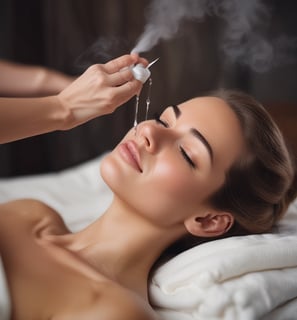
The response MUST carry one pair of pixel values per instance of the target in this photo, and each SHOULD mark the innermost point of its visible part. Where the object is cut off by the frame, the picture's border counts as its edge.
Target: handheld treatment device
(142, 73)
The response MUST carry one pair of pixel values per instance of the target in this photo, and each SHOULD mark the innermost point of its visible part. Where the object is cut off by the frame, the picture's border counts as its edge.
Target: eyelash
(182, 151)
(158, 120)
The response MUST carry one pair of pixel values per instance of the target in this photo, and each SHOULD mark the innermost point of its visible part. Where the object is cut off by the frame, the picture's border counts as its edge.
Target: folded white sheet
(238, 278)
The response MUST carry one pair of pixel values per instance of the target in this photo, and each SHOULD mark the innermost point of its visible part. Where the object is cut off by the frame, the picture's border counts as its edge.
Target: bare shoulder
(29, 209)
(27, 212)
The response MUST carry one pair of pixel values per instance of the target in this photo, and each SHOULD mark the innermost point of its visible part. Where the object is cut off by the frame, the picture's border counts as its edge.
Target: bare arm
(30, 81)
(98, 91)
(22, 118)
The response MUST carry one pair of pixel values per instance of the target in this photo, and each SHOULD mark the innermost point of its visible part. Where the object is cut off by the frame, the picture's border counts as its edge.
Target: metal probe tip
(151, 63)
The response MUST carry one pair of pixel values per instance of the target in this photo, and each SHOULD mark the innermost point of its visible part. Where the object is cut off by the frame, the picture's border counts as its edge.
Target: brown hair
(258, 187)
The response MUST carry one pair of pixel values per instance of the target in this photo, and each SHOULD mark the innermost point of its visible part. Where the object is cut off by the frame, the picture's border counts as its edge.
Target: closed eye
(181, 149)
(187, 158)
(160, 121)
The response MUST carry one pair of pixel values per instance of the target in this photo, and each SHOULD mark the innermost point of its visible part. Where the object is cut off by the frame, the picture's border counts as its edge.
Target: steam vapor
(243, 39)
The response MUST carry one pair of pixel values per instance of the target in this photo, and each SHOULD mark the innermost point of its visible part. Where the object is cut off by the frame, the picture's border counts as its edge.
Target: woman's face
(168, 167)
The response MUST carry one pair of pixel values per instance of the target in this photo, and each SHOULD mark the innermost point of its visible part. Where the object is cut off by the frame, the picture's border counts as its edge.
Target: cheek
(173, 179)
(175, 187)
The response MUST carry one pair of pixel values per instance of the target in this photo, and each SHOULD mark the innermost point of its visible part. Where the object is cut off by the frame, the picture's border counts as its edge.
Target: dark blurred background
(61, 35)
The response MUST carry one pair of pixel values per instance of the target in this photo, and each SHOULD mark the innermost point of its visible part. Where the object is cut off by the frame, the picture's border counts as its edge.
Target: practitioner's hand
(100, 90)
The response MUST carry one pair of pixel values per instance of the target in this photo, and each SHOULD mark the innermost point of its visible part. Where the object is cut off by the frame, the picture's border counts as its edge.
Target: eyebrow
(176, 110)
(195, 133)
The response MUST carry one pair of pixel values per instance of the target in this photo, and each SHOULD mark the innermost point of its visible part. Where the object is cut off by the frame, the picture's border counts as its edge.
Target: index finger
(117, 64)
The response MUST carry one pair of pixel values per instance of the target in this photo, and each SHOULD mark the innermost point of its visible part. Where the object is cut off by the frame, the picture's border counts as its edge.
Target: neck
(123, 245)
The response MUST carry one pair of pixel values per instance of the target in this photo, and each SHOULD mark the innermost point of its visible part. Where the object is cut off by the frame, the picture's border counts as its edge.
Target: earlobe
(210, 225)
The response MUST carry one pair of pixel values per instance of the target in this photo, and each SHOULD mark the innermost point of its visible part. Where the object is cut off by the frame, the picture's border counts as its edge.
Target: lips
(130, 154)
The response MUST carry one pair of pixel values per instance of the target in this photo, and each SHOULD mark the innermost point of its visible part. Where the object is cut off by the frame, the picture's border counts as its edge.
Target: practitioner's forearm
(22, 80)
(22, 118)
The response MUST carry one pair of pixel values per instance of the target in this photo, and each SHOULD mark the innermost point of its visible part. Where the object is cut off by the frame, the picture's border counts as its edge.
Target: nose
(149, 135)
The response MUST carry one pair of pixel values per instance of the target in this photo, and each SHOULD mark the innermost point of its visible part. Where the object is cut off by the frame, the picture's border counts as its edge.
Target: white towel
(236, 278)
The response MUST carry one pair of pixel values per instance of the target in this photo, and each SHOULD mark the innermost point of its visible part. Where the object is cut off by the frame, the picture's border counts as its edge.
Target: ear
(212, 224)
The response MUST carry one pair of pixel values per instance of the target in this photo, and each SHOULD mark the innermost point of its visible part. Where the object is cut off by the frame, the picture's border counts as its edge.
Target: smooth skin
(102, 271)
(98, 91)
(23, 80)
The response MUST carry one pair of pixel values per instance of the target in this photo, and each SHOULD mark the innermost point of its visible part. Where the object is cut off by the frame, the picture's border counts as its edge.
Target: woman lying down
(212, 166)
